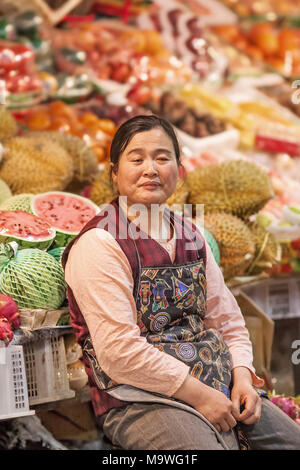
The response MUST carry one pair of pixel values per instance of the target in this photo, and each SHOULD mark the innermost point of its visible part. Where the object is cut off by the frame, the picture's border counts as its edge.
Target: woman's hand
(244, 395)
(211, 403)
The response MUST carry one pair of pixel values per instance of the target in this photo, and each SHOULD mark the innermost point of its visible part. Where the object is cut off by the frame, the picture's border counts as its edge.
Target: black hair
(136, 125)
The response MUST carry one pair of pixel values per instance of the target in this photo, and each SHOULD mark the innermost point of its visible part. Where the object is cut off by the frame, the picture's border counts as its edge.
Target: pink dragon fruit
(10, 311)
(287, 405)
(6, 333)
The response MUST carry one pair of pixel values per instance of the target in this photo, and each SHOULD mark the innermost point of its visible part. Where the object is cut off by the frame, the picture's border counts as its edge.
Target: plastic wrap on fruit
(184, 35)
(16, 57)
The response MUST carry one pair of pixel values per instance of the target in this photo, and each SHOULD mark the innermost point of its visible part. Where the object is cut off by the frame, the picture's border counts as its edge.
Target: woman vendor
(165, 344)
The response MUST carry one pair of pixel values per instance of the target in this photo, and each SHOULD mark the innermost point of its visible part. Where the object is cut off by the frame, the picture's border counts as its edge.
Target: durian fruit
(20, 202)
(180, 195)
(8, 124)
(85, 159)
(267, 250)
(30, 165)
(235, 242)
(5, 192)
(239, 187)
(102, 190)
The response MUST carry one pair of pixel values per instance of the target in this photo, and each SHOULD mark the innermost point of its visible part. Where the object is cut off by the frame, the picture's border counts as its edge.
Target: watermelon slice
(28, 230)
(68, 213)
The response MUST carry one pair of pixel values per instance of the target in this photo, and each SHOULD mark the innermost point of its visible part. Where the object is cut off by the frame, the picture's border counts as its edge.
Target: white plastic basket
(278, 298)
(13, 384)
(46, 371)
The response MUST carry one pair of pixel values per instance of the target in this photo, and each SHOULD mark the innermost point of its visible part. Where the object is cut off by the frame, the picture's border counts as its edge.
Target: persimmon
(228, 32)
(154, 42)
(263, 36)
(288, 40)
(254, 52)
(59, 124)
(100, 152)
(38, 120)
(88, 118)
(107, 126)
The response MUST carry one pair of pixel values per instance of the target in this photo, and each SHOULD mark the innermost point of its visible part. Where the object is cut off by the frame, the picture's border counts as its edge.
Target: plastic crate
(46, 371)
(278, 298)
(13, 385)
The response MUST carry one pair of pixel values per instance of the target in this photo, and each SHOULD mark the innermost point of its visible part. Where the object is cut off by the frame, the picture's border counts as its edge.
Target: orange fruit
(153, 41)
(288, 40)
(265, 38)
(276, 63)
(107, 126)
(254, 52)
(100, 152)
(85, 40)
(228, 32)
(88, 118)
(59, 124)
(62, 110)
(38, 120)
(241, 43)
(134, 39)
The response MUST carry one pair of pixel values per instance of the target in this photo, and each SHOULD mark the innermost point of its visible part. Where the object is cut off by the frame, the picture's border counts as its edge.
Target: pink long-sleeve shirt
(100, 277)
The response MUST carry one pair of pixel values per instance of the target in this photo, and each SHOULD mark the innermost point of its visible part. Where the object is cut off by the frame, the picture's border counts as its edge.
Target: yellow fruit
(8, 124)
(239, 187)
(33, 166)
(180, 195)
(235, 242)
(84, 158)
(103, 190)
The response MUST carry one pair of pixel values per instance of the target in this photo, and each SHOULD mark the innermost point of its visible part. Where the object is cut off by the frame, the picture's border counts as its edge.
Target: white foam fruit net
(33, 278)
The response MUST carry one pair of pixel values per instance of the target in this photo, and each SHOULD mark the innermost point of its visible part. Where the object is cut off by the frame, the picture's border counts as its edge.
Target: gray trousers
(156, 426)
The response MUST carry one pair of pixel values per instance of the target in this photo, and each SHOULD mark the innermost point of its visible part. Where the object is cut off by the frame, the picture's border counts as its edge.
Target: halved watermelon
(68, 213)
(28, 230)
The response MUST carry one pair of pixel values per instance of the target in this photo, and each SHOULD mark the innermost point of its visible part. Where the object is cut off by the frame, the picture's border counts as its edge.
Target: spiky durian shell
(8, 124)
(30, 165)
(102, 190)
(235, 242)
(85, 159)
(239, 187)
(180, 195)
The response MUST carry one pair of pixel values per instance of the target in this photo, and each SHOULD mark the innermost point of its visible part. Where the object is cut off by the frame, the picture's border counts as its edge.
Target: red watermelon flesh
(68, 213)
(28, 230)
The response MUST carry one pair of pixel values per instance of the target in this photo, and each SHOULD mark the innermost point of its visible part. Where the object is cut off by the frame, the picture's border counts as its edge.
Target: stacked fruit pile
(117, 52)
(231, 193)
(37, 217)
(96, 133)
(265, 42)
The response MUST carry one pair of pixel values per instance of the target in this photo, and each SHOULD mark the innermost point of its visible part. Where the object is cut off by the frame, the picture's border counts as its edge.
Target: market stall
(226, 75)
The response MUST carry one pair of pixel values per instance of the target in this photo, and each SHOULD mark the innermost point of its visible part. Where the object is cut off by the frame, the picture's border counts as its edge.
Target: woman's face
(147, 172)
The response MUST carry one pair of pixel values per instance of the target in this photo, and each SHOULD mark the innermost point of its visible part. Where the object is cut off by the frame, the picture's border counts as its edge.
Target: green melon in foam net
(68, 213)
(19, 202)
(28, 230)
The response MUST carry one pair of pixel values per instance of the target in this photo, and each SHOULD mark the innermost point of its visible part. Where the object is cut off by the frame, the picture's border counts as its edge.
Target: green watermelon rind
(63, 237)
(42, 245)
